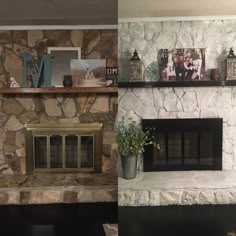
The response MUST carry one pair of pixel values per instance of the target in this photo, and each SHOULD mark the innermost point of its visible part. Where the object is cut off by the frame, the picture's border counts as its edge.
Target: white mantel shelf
(178, 188)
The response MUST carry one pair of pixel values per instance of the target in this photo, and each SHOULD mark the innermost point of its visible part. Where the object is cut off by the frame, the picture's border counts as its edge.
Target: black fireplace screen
(185, 144)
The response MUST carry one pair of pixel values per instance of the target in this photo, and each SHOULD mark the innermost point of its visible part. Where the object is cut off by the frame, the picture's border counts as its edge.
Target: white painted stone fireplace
(185, 187)
(180, 187)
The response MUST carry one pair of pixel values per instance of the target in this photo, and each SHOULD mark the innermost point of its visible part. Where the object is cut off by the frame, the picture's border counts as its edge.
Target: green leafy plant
(132, 139)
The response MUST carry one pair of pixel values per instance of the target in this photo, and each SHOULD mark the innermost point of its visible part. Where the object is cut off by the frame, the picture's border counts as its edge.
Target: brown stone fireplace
(28, 174)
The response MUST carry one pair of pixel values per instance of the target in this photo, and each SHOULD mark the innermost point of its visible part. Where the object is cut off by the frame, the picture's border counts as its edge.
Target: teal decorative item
(152, 72)
(34, 71)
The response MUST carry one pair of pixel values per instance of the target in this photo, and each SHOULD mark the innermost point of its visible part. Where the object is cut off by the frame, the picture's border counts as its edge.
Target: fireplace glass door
(185, 144)
(68, 148)
(63, 151)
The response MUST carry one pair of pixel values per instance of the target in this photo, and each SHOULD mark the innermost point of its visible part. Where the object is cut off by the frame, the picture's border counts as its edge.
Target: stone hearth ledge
(58, 188)
(178, 188)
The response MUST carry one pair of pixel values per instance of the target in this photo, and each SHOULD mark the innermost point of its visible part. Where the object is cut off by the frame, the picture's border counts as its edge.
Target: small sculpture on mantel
(13, 83)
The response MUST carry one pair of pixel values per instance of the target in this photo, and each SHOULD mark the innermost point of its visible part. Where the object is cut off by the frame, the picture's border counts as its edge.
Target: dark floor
(194, 220)
(57, 219)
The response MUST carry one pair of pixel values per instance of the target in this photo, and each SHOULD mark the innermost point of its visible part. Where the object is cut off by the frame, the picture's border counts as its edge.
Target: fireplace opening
(185, 144)
(67, 147)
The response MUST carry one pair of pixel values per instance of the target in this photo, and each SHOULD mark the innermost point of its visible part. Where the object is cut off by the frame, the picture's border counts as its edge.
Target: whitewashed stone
(228, 161)
(77, 38)
(225, 197)
(20, 139)
(148, 59)
(197, 31)
(101, 104)
(13, 124)
(189, 102)
(171, 26)
(68, 107)
(154, 198)
(184, 40)
(126, 198)
(205, 95)
(190, 197)
(229, 132)
(33, 36)
(123, 29)
(166, 114)
(52, 108)
(136, 30)
(74, 120)
(157, 98)
(140, 45)
(188, 115)
(146, 111)
(150, 29)
(232, 117)
(232, 196)
(142, 198)
(27, 103)
(133, 101)
(165, 40)
(51, 196)
(131, 115)
(172, 103)
(212, 33)
(222, 99)
(170, 197)
(207, 197)
(20, 152)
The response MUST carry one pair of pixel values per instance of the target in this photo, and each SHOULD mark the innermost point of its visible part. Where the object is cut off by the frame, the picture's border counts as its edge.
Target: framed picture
(61, 62)
(182, 64)
(89, 73)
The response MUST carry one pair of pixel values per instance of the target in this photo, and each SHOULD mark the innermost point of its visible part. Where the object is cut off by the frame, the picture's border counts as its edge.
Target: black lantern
(231, 65)
(135, 68)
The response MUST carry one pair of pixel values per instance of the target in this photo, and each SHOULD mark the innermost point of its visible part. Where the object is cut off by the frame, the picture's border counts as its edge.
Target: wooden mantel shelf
(58, 90)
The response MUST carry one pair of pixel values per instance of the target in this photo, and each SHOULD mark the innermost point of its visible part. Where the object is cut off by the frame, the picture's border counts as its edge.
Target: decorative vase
(67, 81)
(129, 166)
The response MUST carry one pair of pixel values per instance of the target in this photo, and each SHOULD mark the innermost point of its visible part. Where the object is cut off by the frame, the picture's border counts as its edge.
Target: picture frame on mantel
(182, 64)
(61, 61)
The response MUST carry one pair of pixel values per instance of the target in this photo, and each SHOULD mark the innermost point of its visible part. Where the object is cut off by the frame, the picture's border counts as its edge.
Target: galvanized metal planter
(129, 166)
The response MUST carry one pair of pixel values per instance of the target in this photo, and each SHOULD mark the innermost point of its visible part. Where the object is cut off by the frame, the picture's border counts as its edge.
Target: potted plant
(131, 142)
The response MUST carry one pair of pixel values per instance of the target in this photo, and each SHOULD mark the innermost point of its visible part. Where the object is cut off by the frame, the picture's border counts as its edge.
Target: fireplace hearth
(185, 144)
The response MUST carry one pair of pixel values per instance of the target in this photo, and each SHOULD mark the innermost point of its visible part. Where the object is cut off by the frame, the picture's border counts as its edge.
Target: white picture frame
(60, 63)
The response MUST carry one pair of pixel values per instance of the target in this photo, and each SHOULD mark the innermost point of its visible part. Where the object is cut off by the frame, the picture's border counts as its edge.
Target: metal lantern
(135, 68)
(231, 65)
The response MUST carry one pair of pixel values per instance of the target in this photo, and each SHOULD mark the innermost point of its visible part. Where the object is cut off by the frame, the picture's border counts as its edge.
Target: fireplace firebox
(185, 144)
